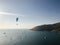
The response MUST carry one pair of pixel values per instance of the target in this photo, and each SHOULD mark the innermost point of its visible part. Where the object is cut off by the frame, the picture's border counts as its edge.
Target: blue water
(28, 37)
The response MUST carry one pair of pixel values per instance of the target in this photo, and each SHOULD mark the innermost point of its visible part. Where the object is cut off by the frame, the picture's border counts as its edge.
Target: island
(48, 27)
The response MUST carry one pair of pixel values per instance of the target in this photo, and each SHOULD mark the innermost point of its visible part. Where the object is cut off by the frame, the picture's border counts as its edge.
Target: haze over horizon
(30, 13)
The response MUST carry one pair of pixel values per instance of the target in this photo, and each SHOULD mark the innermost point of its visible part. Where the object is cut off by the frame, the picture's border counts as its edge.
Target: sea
(28, 37)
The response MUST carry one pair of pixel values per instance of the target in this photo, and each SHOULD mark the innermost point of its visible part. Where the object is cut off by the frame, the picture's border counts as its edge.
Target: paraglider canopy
(17, 19)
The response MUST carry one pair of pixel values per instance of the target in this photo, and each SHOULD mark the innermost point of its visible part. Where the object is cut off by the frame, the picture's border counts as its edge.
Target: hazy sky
(30, 13)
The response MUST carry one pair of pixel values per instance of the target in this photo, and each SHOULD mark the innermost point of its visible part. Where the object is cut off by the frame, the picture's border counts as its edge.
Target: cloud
(6, 13)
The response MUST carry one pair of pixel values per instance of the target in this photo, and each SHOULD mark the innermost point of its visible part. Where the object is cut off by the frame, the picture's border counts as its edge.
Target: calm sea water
(28, 37)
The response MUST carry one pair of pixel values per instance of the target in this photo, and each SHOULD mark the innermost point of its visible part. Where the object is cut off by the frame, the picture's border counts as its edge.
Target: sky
(31, 13)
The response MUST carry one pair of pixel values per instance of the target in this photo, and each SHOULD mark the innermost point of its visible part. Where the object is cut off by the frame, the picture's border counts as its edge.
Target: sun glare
(5, 13)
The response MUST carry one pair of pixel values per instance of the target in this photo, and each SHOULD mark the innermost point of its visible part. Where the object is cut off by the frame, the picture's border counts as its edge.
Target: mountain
(48, 27)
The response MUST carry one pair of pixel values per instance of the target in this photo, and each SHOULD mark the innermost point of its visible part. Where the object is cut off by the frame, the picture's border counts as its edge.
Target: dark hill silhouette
(50, 27)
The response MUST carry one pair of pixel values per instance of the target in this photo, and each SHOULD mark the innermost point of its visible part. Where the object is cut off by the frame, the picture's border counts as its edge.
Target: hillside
(48, 27)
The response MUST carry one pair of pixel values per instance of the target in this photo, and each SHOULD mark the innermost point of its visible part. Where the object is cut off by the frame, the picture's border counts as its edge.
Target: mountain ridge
(48, 27)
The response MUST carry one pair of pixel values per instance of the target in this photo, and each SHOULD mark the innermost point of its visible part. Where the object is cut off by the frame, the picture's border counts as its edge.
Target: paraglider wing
(17, 19)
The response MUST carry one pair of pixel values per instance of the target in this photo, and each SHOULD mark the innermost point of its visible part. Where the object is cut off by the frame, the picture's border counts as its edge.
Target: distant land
(48, 27)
